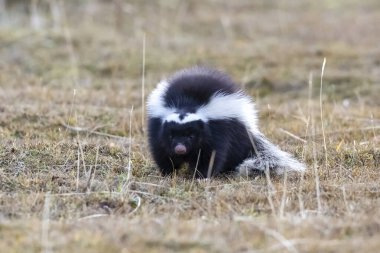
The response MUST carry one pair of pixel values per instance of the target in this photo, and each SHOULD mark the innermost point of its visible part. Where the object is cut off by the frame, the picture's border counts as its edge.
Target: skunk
(199, 116)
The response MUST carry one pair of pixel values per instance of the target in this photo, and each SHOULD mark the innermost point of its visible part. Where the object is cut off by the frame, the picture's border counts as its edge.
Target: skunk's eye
(191, 136)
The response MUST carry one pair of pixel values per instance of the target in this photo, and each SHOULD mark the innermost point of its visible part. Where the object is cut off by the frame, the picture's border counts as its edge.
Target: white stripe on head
(221, 106)
(156, 104)
(190, 117)
(232, 106)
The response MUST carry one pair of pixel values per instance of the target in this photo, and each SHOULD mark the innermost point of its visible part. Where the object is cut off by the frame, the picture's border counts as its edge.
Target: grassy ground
(75, 172)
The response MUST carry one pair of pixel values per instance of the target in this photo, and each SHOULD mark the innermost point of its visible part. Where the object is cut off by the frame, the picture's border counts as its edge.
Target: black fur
(228, 138)
(194, 87)
(237, 146)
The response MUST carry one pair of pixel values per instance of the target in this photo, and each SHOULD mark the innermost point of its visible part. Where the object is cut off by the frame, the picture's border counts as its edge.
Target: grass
(75, 171)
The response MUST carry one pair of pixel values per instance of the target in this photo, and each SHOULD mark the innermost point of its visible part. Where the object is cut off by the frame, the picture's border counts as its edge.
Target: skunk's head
(183, 139)
(201, 94)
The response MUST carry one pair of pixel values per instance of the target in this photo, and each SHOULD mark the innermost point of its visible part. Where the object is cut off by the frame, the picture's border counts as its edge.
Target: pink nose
(180, 149)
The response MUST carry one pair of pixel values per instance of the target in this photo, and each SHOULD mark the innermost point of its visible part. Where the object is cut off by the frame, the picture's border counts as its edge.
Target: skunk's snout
(180, 149)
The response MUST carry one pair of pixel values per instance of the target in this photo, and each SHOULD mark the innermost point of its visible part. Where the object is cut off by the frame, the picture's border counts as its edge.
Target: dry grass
(75, 173)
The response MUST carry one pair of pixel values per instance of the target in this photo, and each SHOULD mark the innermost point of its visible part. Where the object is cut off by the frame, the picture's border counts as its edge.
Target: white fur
(221, 106)
(232, 106)
(228, 106)
(155, 103)
(286, 164)
(174, 117)
(269, 156)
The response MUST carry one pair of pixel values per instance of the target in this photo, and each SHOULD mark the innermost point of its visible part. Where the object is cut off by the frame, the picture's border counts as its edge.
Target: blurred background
(265, 45)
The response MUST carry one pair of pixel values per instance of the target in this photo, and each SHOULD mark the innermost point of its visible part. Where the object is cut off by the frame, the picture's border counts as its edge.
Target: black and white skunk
(200, 116)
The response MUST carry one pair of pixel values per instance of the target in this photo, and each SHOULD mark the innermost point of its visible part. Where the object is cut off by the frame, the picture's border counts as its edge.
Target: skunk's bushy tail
(268, 156)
